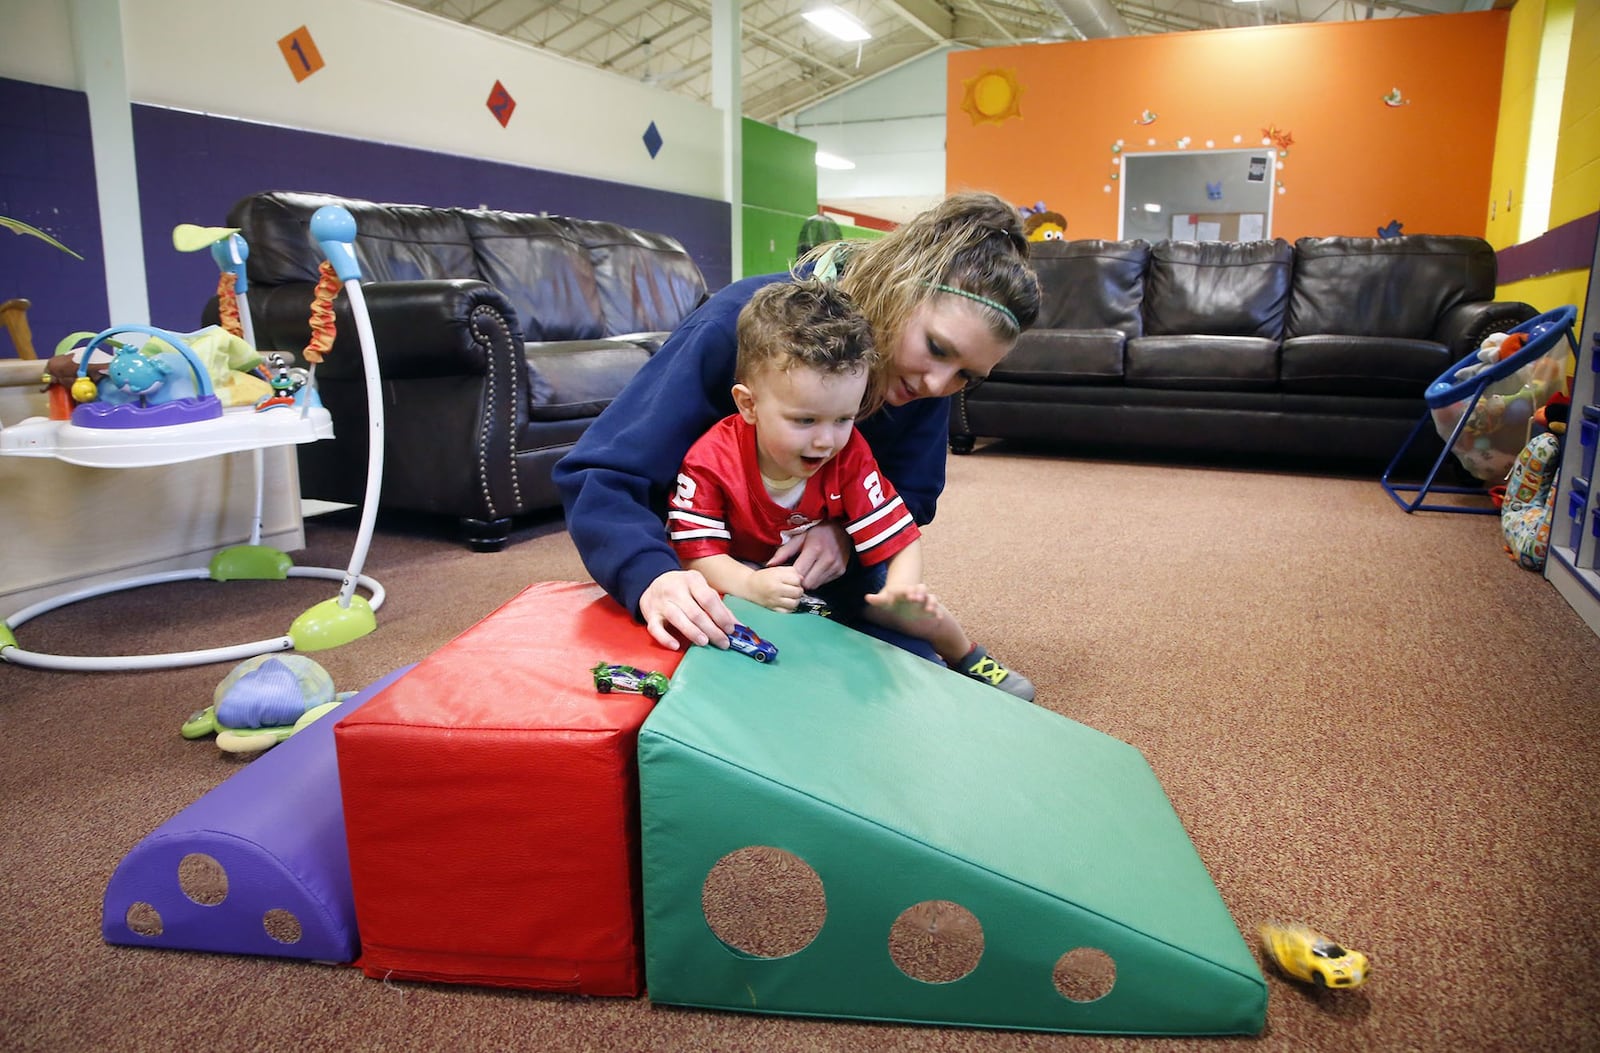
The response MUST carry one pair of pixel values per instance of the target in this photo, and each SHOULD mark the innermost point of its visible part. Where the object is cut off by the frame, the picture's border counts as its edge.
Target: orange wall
(1354, 165)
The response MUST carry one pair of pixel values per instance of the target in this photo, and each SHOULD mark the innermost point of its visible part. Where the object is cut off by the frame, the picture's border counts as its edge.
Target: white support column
(97, 43)
(726, 73)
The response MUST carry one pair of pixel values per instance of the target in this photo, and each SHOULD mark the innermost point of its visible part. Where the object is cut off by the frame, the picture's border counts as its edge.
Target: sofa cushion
(1090, 284)
(543, 271)
(1064, 356)
(1361, 365)
(1203, 363)
(578, 378)
(1233, 288)
(1397, 287)
(648, 282)
(393, 242)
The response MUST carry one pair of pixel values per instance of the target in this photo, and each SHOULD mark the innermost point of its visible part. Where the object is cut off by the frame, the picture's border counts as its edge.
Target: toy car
(1304, 954)
(809, 604)
(744, 640)
(610, 677)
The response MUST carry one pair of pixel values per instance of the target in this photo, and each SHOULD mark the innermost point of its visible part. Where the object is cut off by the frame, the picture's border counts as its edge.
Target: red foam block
(491, 803)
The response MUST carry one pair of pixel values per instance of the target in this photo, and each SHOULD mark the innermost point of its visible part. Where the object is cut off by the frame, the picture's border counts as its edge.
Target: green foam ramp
(898, 782)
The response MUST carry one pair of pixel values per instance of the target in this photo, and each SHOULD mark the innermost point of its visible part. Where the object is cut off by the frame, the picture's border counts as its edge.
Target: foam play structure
(850, 831)
(968, 858)
(491, 803)
(256, 866)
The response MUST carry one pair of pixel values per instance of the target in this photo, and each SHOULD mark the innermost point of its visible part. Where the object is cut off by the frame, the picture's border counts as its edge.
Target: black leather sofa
(500, 336)
(1320, 350)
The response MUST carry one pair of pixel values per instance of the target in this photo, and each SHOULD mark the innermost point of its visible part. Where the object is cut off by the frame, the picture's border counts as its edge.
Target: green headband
(996, 304)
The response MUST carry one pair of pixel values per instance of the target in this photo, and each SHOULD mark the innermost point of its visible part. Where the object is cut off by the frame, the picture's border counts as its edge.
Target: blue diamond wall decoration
(652, 140)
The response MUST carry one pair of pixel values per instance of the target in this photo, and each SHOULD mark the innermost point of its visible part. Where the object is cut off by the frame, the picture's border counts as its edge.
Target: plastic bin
(1577, 507)
(1588, 439)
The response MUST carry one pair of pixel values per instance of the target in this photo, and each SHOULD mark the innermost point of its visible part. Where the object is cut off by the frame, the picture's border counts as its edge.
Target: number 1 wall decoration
(301, 53)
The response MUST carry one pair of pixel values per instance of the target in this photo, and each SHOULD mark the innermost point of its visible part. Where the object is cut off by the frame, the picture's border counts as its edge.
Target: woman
(947, 294)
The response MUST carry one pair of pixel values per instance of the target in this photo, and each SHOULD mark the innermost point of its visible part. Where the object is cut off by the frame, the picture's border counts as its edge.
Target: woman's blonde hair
(970, 244)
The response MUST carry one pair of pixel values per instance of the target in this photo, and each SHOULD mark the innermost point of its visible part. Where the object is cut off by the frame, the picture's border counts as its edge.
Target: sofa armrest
(428, 329)
(1463, 327)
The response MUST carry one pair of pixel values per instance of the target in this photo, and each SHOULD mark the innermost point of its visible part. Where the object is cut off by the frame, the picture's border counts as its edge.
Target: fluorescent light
(833, 21)
(1151, 206)
(833, 161)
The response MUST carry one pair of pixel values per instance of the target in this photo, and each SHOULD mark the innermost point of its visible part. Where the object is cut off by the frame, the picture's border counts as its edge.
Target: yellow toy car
(1305, 954)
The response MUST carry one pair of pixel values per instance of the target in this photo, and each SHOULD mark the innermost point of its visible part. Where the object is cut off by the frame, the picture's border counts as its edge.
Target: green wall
(780, 194)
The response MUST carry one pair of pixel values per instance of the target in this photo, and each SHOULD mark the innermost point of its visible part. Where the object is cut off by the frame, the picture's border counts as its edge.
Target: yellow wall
(1576, 190)
(1354, 163)
(1523, 38)
(1575, 187)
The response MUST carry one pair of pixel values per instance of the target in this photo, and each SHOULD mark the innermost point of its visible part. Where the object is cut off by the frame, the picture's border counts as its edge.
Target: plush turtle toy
(263, 701)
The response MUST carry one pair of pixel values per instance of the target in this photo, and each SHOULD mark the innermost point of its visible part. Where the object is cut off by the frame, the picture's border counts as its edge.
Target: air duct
(1092, 19)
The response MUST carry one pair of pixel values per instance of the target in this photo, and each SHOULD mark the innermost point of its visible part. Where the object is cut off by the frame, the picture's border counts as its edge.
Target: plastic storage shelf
(1575, 541)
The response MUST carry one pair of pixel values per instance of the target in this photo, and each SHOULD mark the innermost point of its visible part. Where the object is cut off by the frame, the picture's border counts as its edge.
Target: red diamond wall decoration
(501, 104)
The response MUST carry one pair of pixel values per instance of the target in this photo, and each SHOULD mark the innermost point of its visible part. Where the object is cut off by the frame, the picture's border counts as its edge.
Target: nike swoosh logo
(835, 497)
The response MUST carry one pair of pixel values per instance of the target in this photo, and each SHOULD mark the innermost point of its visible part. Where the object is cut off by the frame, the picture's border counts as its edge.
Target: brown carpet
(1369, 721)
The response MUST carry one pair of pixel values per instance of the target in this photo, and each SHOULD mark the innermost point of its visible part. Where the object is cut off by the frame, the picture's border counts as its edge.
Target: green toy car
(610, 677)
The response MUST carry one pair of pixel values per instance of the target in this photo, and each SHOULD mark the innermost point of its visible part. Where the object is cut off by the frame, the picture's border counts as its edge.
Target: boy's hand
(776, 588)
(820, 554)
(907, 601)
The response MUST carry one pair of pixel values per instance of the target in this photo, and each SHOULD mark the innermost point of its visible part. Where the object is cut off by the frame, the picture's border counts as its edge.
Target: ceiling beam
(935, 21)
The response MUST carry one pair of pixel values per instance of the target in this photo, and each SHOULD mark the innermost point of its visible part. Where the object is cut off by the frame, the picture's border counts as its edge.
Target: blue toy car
(744, 640)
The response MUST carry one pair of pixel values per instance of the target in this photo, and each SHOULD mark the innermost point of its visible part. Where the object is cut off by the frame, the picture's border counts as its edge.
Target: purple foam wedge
(256, 866)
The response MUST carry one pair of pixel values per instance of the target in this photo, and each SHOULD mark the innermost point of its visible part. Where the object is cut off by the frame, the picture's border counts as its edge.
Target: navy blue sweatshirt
(615, 482)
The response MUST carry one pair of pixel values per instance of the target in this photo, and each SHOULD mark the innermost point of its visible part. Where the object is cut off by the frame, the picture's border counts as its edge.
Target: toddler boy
(791, 459)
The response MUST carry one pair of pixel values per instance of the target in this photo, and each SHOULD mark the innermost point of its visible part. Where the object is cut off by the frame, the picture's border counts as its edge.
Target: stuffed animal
(1044, 225)
(1529, 506)
(263, 701)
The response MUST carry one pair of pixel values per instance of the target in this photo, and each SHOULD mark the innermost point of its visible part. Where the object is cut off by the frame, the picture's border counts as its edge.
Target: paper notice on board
(1182, 226)
(1252, 226)
(1207, 231)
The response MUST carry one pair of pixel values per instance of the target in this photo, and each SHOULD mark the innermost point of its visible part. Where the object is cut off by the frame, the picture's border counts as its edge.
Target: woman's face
(947, 344)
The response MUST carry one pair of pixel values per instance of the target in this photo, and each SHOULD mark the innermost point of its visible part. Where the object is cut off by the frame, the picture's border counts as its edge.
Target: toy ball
(271, 691)
(84, 390)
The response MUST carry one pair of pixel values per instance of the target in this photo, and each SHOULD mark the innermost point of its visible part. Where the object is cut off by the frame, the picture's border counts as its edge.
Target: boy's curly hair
(806, 324)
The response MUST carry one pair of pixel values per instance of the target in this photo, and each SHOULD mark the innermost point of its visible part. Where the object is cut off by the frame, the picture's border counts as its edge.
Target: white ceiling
(788, 65)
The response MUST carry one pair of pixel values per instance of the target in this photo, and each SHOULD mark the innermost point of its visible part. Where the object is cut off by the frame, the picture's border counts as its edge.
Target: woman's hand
(824, 552)
(680, 601)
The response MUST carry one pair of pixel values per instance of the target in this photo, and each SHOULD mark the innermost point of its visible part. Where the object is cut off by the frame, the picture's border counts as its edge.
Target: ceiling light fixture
(835, 22)
(833, 161)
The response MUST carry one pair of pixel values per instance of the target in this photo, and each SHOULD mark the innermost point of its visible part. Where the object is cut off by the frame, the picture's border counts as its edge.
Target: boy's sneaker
(980, 666)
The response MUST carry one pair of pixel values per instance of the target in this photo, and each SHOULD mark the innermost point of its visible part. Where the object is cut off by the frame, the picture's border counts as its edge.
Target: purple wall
(192, 168)
(47, 181)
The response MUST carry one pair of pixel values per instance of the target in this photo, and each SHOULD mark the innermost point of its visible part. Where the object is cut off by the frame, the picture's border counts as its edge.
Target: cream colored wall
(392, 74)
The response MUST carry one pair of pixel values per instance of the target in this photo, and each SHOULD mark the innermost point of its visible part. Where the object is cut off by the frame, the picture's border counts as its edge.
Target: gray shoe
(980, 666)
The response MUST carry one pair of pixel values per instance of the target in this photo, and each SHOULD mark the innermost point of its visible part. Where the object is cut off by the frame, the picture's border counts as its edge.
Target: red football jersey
(722, 506)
